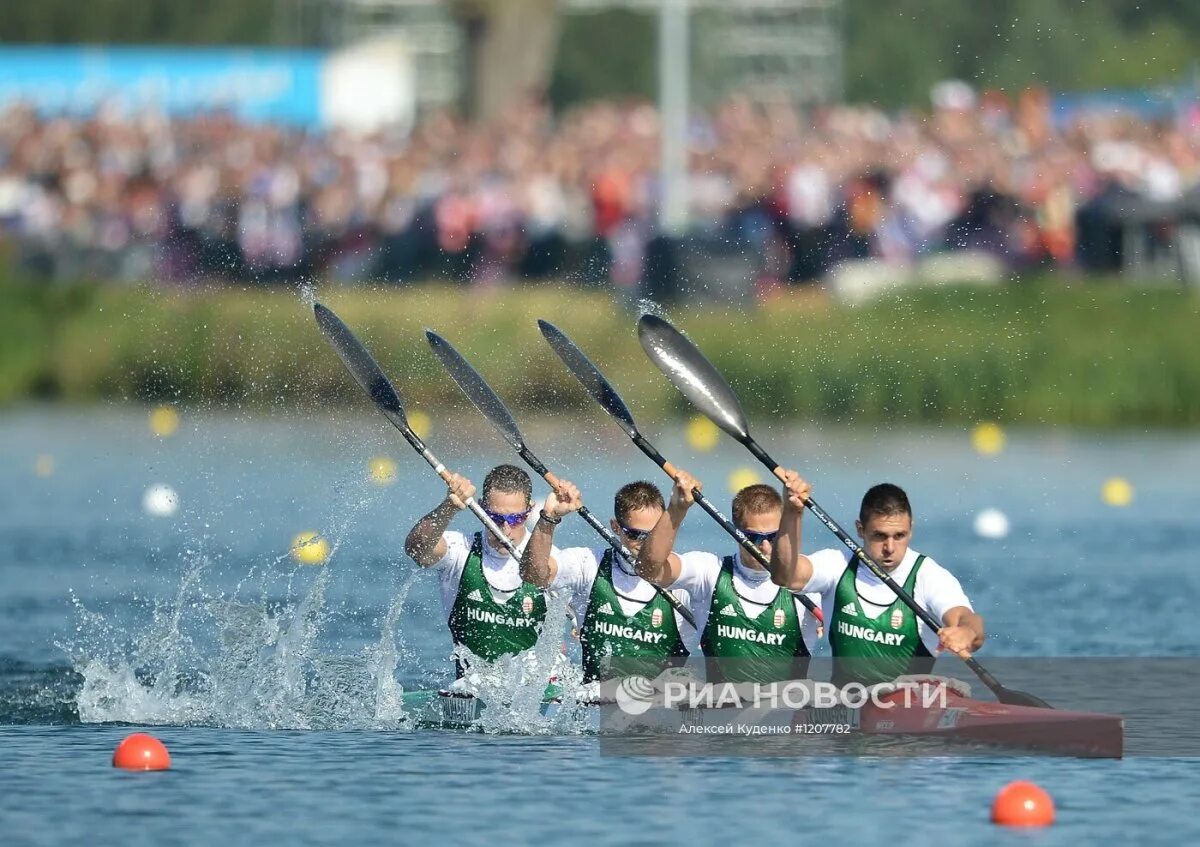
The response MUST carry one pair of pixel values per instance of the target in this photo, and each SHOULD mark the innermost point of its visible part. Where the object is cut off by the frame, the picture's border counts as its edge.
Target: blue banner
(281, 86)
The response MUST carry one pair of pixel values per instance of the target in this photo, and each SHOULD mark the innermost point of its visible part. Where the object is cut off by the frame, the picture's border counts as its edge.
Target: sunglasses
(515, 519)
(634, 534)
(760, 537)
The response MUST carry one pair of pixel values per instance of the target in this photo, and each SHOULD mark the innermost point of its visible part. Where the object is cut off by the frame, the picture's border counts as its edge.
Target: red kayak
(1052, 730)
(951, 717)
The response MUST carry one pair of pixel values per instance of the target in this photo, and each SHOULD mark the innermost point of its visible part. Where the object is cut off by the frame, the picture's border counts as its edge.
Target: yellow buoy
(310, 548)
(164, 420)
(702, 434)
(383, 470)
(43, 465)
(987, 438)
(420, 423)
(742, 477)
(1117, 491)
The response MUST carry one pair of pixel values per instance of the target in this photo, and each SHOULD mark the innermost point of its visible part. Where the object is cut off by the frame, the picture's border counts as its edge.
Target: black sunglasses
(515, 519)
(634, 534)
(760, 537)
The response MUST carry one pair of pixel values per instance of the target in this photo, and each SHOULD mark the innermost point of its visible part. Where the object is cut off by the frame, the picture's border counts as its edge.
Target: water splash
(389, 693)
(515, 687)
(207, 658)
(259, 656)
(308, 294)
(652, 307)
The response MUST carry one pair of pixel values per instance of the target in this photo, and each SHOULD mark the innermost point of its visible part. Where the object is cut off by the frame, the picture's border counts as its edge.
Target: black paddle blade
(477, 390)
(1012, 697)
(359, 362)
(687, 368)
(589, 375)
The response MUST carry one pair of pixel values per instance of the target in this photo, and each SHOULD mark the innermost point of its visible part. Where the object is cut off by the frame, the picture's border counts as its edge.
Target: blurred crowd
(575, 196)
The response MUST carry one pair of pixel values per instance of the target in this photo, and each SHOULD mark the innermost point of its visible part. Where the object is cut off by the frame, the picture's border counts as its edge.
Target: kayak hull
(1053, 731)
(1059, 731)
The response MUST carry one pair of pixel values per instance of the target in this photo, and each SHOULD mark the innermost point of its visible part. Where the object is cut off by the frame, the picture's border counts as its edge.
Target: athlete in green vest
(751, 630)
(622, 617)
(874, 636)
(490, 609)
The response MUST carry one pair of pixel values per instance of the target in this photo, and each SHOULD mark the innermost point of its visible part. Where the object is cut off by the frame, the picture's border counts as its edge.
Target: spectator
(205, 197)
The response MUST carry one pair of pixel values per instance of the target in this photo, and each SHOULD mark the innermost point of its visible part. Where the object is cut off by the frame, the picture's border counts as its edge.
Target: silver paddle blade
(359, 362)
(589, 375)
(476, 389)
(687, 368)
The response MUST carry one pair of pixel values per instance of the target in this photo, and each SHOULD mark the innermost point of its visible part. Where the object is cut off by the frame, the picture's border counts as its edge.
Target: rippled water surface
(276, 686)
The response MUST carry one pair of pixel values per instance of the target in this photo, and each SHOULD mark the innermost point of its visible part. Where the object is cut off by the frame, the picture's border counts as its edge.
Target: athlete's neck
(748, 562)
(621, 566)
(753, 572)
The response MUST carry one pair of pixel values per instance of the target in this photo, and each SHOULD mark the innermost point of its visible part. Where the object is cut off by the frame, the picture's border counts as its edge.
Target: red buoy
(1023, 803)
(141, 752)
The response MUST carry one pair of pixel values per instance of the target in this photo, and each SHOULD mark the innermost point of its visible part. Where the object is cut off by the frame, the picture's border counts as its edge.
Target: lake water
(274, 684)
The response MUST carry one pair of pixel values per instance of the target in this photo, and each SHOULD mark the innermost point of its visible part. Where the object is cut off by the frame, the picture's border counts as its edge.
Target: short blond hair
(755, 499)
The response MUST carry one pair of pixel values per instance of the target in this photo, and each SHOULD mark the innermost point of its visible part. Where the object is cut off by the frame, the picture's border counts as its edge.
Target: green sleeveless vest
(487, 628)
(767, 648)
(874, 649)
(650, 635)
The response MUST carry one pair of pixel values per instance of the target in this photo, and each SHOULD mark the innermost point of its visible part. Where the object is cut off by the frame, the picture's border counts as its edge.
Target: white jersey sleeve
(828, 566)
(938, 590)
(577, 569)
(449, 568)
(455, 557)
(698, 573)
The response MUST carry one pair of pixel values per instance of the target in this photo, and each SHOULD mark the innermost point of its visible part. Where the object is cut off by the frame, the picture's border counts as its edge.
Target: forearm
(964, 617)
(788, 566)
(537, 567)
(422, 541)
(654, 559)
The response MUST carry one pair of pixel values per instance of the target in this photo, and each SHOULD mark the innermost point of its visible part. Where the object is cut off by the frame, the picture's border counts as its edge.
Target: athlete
(874, 635)
(490, 610)
(751, 630)
(622, 616)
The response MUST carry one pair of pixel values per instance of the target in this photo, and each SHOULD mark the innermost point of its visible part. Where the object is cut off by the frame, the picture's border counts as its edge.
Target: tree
(510, 50)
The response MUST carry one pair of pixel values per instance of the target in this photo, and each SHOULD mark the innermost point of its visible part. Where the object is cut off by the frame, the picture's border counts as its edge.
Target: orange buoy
(141, 752)
(1023, 803)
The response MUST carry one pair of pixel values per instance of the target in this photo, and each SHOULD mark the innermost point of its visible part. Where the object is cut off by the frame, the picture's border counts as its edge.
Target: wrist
(549, 520)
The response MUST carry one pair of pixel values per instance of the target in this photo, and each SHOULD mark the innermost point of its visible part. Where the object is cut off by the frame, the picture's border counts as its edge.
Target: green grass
(1037, 352)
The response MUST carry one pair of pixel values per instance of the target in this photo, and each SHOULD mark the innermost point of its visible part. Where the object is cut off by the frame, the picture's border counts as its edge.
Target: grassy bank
(1038, 352)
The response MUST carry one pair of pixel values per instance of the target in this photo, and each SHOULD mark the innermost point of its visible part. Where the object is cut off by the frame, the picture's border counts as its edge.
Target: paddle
(493, 408)
(687, 368)
(370, 376)
(603, 393)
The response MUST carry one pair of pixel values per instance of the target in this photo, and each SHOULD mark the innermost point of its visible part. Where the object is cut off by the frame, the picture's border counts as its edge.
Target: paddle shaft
(729, 526)
(417, 444)
(860, 554)
(607, 534)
